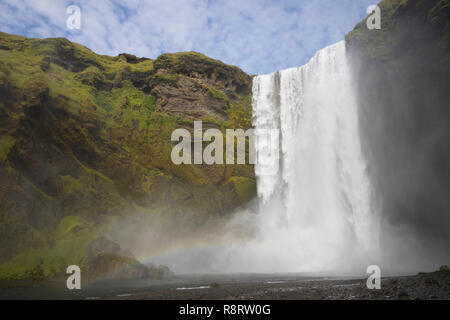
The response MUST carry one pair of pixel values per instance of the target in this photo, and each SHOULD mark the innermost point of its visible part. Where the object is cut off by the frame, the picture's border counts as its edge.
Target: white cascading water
(315, 213)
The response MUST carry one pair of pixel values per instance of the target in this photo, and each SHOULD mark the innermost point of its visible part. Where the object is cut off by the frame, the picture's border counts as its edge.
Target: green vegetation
(173, 61)
(5, 145)
(66, 246)
(239, 115)
(170, 78)
(70, 185)
(126, 96)
(27, 265)
(218, 95)
(149, 103)
(87, 139)
(245, 188)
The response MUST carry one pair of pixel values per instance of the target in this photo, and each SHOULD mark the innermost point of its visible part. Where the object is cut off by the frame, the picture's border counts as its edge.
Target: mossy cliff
(85, 140)
(404, 92)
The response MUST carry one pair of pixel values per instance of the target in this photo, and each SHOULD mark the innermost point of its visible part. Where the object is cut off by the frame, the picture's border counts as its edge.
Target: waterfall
(315, 212)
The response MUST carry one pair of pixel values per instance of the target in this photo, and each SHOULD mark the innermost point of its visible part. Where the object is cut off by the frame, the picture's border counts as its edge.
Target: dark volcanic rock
(403, 73)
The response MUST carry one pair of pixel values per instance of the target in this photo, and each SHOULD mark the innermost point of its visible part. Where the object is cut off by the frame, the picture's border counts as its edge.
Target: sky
(259, 36)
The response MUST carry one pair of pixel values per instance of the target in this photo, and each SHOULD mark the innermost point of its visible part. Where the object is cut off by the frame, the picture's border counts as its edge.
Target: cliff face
(85, 139)
(404, 94)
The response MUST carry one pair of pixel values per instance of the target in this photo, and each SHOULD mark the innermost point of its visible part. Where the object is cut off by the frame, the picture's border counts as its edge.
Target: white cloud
(260, 36)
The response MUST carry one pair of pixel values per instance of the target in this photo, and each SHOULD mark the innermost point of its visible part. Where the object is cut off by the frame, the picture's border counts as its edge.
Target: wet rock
(402, 294)
(166, 271)
(158, 272)
(102, 244)
(431, 282)
(111, 266)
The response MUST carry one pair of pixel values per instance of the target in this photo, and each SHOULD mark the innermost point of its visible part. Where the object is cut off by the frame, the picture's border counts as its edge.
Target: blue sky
(259, 36)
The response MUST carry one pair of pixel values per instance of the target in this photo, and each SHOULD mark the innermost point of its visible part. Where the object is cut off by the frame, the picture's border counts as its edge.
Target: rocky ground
(423, 286)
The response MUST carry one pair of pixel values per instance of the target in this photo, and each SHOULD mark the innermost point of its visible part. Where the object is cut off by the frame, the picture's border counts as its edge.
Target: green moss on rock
(6, 144)
(70, 185)
(245, 188)
(86, 138)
